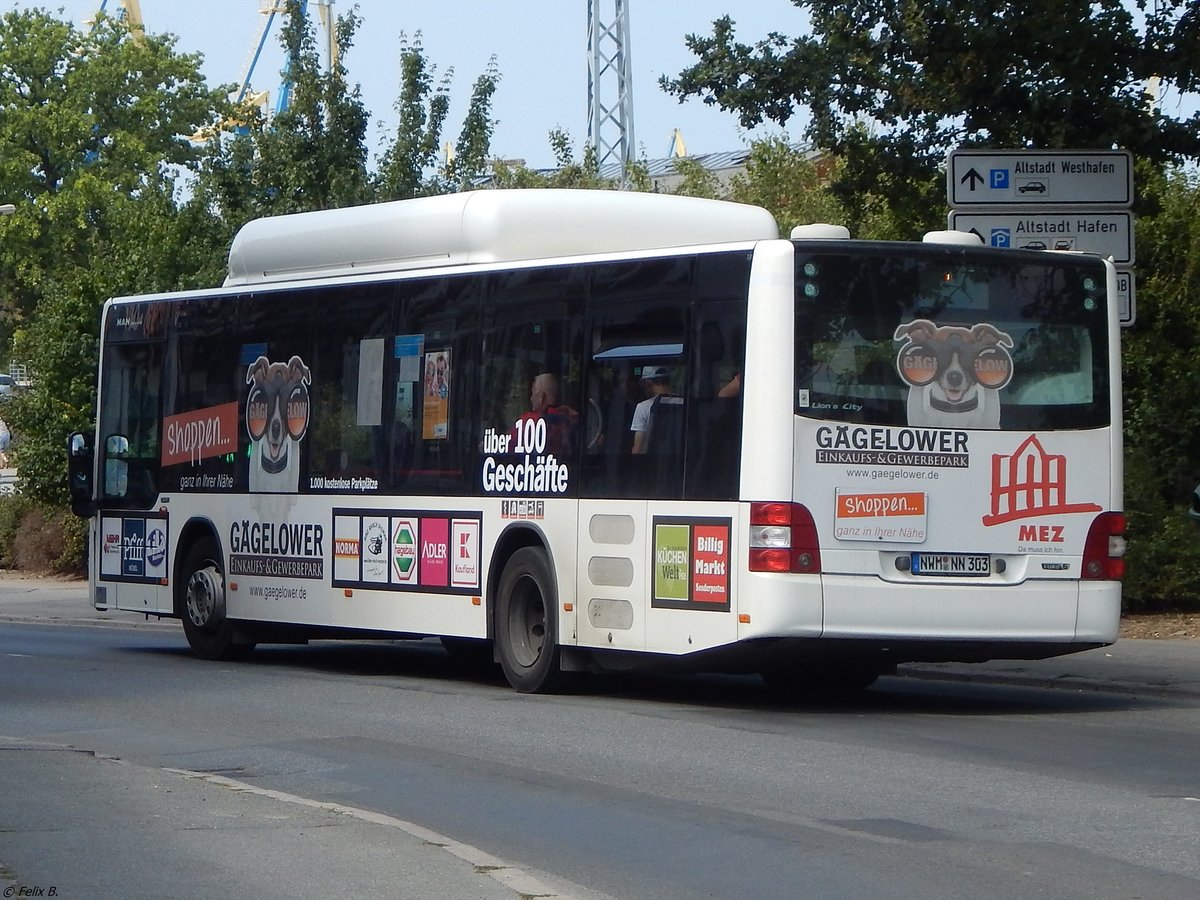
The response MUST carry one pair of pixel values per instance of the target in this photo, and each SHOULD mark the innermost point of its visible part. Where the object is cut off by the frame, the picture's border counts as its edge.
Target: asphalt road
(128, 768)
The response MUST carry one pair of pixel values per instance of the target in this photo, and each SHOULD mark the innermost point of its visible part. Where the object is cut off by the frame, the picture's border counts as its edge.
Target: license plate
(967, 565)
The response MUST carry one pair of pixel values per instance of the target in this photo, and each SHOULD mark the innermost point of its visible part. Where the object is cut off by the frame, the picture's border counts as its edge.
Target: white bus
(420, 419)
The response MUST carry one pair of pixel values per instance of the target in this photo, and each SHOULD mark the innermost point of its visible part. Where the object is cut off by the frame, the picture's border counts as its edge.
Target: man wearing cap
(655, 383)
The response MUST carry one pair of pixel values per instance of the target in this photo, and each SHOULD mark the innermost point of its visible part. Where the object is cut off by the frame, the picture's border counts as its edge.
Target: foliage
(90, 137)
(99, 107)
(891, 85)
(311, 155)
(568, 172)
(792, 183)
(111, 201)
(409, 165)
(1162, 394)
(470, 160)
(13, 508)
(34, 538)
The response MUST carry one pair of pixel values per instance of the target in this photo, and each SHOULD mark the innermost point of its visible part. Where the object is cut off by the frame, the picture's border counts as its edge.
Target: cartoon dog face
(954, 373)
(277, 411)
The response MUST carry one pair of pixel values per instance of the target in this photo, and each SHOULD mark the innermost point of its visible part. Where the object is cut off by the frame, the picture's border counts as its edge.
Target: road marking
(508, 875)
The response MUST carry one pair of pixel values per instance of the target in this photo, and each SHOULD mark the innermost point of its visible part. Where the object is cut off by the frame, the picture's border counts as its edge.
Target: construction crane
(269, 10)
(128, 11)
(678, 148)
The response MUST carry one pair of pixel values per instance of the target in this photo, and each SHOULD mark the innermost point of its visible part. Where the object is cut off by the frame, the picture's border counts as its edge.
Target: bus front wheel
(209, 632)
(527, 624)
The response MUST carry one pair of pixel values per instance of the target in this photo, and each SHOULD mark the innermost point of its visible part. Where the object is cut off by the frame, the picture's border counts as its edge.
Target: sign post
(1048, 200)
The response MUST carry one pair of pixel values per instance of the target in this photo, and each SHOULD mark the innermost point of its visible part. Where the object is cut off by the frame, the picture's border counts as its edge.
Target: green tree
(421, 112)
(890, 86)
(409, 166)
(311, 155)
(98, 105)
(790, 182)
(568, 172)
(470, 160)
(90, 144)
(1162, 395)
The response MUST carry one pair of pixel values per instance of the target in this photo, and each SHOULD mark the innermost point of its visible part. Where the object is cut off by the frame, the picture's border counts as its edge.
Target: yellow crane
(127, 11)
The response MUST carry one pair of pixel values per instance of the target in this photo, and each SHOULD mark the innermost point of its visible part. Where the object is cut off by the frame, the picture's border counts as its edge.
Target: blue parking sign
(1001, 237)
(998, 179)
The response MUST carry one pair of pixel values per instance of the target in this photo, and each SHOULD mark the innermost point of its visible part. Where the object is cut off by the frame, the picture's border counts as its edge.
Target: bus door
(656, 513)
(132, 527)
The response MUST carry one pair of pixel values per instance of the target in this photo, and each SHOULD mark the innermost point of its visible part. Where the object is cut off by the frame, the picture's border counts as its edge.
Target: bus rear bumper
(1034, 611)
(1033, 619)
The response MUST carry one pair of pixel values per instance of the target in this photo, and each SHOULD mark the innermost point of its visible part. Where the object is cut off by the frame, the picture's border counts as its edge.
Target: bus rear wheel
(527, 624)
(209, 632)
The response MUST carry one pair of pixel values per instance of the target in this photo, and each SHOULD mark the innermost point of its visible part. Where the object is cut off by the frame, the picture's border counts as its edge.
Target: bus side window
(130, 421)
(350, 365)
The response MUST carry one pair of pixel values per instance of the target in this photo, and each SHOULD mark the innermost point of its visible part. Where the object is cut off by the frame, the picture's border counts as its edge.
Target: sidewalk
(63, 602)
(1170, 668)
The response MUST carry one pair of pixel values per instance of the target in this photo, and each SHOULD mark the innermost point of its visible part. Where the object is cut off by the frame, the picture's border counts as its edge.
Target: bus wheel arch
(200, 599)
(525, 619)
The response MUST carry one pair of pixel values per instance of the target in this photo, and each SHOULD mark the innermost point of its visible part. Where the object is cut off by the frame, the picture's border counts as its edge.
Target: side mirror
(79, 471)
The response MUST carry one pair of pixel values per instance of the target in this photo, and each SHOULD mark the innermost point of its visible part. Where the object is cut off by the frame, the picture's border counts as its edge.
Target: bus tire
(527, 624)
(209, 632)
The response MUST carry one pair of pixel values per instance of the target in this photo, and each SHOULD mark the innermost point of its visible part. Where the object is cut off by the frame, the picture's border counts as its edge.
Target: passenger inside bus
(657, 420)
(561, 420)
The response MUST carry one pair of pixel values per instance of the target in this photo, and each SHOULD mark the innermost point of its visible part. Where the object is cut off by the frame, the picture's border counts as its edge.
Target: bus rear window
(950, 337)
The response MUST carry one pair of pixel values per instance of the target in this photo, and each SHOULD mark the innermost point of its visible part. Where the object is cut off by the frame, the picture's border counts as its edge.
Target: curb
(1056, 682)
(142, 625)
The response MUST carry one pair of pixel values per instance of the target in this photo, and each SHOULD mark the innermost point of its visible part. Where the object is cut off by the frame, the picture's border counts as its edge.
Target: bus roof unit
(482, 227)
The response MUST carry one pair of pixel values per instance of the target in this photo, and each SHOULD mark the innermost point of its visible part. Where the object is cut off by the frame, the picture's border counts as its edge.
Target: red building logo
(1029, 483)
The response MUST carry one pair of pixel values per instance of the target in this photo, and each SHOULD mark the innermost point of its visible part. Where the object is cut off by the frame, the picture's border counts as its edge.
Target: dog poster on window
(954, 373)
(277, 414)
(435, 421)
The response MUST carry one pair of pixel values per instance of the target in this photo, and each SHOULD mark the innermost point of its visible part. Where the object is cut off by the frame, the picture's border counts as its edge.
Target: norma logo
(1030, 483)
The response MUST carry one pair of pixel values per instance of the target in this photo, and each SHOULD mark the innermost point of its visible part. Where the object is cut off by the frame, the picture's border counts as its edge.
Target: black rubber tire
(209, 632)
(527, 625)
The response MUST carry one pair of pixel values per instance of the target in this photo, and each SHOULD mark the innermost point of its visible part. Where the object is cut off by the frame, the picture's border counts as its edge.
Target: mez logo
(1028, 484)
(1040, 534)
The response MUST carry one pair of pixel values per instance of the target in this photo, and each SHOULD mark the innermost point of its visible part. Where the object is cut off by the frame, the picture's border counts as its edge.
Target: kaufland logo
(465, 571)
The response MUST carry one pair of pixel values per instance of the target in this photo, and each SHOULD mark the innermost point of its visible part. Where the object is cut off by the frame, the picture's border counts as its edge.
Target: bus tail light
(783, 538)
(1104, 551)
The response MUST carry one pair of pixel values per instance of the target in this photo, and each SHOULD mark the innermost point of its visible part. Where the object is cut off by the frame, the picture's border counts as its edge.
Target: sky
(540, 45)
